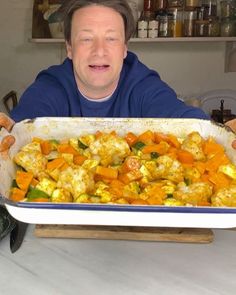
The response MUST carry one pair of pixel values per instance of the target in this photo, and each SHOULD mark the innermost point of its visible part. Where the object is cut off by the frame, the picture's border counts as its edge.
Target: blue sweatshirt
(140, 93)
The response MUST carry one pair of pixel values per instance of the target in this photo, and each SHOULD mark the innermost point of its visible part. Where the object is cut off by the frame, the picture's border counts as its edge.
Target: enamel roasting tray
(106, 214)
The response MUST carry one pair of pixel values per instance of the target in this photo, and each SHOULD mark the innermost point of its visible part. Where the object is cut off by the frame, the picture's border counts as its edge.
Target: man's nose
(99, 47)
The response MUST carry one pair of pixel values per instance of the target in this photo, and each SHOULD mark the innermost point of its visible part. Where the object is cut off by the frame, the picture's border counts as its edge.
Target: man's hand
(8, 140)
(232, 125)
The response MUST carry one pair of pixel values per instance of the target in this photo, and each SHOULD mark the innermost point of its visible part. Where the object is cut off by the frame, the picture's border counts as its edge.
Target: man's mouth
(99, 67)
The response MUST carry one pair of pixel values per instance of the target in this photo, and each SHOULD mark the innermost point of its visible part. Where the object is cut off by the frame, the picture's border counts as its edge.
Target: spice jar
(209, 8)
(192, 4)
(175, 3)
(227, 27)
(175, 19)
(189, 22)
(201, 28)
(214, 27)
(227, 8)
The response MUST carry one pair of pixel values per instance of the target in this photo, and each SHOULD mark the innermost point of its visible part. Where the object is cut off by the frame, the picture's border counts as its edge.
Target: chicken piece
(192, 174)
(102, 190)
(165, 168)
(225, 197)
(110, 148)
(196, 194)
(229, 170)
(168, 186)
(32, 161)
(90, 164)
(173, 202)
(61, 196)
(32, 146)
(193, 144)
(46, 185)
(77, 181)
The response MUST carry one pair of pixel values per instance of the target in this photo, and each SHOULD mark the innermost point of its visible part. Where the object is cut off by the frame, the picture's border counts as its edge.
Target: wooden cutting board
(181, 235)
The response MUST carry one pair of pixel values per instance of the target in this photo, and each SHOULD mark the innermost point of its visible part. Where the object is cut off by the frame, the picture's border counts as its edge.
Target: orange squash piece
(55, 164)
(130, 163)
(160, 148)
(23, 179)
(147, 137)
(131, 138)
(107, 172)
(130, 176)
(185, 157)
(79, 159)
(65, 148)
(46, 147)
(211, 147)
(218, 159)
(17, 194)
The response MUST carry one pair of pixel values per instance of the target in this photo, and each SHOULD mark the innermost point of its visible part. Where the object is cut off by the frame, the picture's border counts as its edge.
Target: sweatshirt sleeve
(44, 98)
(159, 100)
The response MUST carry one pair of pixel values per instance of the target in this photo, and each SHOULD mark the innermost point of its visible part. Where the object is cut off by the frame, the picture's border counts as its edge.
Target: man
(100, 78)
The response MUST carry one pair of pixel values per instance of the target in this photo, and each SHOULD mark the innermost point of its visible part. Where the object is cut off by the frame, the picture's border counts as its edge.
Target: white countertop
(77, 266)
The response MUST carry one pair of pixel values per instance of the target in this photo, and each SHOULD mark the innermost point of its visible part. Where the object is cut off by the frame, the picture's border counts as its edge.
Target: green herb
(187, 181)
(154, 155)
(14, 183)
(35, 194)
(138, 145)
(82, 145)
(54, 143)
(169, 196)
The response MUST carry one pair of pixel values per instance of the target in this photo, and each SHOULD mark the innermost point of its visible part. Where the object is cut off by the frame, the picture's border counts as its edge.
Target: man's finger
(6, 122)
(231, 124)
(6, 143)
(234, 144)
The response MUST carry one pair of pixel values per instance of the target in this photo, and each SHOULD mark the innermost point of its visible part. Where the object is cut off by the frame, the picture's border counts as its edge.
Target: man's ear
(68, 50)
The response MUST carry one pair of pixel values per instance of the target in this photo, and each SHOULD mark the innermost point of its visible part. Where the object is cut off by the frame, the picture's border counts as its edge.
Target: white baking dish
(100, 214)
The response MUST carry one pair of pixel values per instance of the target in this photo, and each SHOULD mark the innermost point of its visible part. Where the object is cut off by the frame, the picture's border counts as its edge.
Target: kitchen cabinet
(41, 34)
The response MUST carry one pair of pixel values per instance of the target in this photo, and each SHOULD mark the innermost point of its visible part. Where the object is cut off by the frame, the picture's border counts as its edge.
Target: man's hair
(68, 8)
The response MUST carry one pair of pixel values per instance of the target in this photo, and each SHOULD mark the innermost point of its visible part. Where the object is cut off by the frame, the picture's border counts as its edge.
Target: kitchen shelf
(230, 45)
(150, 40)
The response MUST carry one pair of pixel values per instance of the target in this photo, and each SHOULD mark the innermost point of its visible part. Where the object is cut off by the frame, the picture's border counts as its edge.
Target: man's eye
(111, 39)
(86, 39)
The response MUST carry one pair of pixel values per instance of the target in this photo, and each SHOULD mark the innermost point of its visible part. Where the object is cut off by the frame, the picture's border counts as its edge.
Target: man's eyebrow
(90, 30)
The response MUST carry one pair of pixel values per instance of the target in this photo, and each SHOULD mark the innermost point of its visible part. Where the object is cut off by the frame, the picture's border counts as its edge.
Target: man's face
(97, 49)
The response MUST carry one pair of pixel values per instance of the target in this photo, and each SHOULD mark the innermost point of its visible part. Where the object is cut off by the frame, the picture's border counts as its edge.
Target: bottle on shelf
(190, 17)
(142, 26)
(175, 25)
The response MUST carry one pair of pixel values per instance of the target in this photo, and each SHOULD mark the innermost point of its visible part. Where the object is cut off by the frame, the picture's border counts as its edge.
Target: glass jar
(214, 27)
(175, 19)
(192, 4)
(190, 17)
(227, 27)
(209, 8)
(175, 3)
(201, 28)
(227, 8)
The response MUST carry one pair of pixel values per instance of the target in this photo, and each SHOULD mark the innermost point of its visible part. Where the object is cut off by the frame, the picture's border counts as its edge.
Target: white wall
(190, 68)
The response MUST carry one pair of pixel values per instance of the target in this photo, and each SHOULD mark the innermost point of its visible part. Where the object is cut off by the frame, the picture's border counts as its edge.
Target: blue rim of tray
(124, 208)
